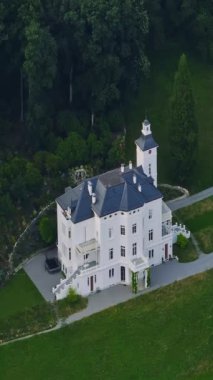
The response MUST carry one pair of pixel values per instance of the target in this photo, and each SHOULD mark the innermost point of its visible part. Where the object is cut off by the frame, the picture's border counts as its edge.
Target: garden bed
(185, 254)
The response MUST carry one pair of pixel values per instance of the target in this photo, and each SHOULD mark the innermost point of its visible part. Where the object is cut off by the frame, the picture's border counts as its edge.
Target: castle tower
(146, 151)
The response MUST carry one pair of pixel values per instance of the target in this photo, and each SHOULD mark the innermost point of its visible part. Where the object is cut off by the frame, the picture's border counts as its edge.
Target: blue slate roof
(115, 191)
(146, 142)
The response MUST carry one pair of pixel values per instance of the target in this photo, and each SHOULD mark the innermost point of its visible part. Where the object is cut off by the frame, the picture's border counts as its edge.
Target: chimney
(139, 188)
(134, 178)
(89, 186)
(68, 212)
(93, 198)
(122, 168)
(130, 164)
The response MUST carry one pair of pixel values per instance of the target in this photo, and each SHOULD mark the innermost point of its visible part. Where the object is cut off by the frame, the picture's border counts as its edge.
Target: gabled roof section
(115, 191)
(110, 200)
(131, 198)
(146, 142)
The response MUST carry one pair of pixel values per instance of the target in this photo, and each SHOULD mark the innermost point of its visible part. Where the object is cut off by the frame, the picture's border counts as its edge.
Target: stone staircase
(61, 290)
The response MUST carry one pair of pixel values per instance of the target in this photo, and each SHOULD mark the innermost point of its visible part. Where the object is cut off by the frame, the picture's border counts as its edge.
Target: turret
(146, 151)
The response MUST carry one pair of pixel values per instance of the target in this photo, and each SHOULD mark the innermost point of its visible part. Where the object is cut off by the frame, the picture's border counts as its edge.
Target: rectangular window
(122, 230)
(134, 228)
(86, 256)
(112, 272)
(69, 253)
(88, 281)
(150, 170)
(151, 253)
(69, 233)
(95, 278)
(150, 235)
(111, 253)
(123, 251)
(110, 232)
(150, 214)
(134, 249)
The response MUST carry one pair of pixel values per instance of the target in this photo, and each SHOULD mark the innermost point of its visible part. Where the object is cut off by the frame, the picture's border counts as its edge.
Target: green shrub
(148, 277)
(134, 282)
(72, 296)
(48, 229)
(71, 304)
(182, 241)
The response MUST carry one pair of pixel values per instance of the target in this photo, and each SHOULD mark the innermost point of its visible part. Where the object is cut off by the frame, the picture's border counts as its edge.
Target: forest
(67, 68)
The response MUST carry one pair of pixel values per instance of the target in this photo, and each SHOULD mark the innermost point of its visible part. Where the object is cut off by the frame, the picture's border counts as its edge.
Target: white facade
(102, 251)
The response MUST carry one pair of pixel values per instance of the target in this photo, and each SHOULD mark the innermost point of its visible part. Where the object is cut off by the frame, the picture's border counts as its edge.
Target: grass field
(199, 220)
(162, 335)
(19, 293)
(153, 100)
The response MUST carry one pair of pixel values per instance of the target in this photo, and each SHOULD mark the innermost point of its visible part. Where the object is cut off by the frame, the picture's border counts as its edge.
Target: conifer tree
(183, 126)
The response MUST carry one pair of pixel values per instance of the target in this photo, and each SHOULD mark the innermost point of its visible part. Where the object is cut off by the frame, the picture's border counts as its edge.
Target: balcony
(138, 264)
(88, 247)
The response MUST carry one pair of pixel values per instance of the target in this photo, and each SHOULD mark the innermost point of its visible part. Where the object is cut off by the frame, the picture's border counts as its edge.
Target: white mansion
(114, 225)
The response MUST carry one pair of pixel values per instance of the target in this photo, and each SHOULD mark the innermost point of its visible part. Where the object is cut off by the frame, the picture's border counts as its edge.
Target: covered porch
(88, 252)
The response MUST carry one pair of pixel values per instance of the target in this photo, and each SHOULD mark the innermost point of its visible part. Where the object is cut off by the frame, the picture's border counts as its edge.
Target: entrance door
(91, 284)
(123, 274)
(166, 251)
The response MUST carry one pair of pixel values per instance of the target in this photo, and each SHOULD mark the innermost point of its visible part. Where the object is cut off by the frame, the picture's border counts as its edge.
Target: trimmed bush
(182, 241)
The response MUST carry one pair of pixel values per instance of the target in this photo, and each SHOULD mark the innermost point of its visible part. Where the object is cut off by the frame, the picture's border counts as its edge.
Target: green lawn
(162, 335)
(199, 220)
(153, 101)
(19, 293)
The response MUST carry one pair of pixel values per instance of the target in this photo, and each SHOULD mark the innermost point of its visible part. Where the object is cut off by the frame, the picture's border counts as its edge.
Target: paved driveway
(172, 271)
(180, 203)
(43, 280)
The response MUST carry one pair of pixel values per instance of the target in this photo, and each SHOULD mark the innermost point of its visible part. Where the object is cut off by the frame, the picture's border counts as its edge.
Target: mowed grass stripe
(162, 335)
(199, 222)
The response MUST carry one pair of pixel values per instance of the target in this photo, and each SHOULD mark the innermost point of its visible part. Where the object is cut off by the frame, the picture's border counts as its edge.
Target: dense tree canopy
(184, 130)
(67, 67)
(85, 55)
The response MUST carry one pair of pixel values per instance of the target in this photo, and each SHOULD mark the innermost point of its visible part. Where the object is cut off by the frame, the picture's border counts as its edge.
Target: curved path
(180, 203)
